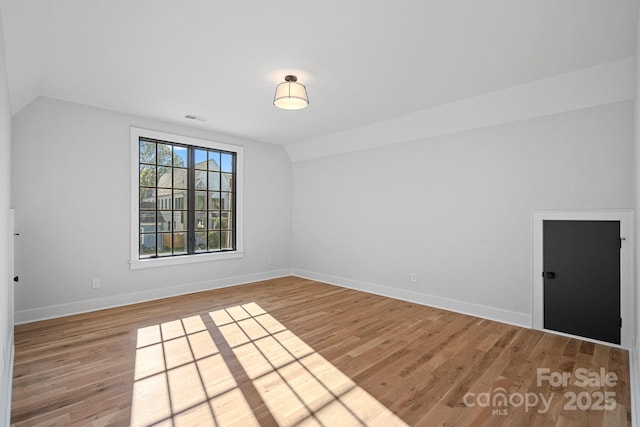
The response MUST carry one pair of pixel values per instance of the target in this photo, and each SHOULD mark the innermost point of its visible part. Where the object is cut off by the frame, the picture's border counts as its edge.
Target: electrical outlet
(414, 277)
(95, 283)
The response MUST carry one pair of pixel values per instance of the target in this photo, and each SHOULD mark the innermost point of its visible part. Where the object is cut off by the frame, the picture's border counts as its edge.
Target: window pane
(201, 200)
(147, 222)
(180, 221)
(227, 162)
(201, 159)
(147, 152)
(179, 156)
(201, 242)
(226, 201)
(214, 240)
(201, 180)
(164, 177)
(226, 221)
(147, 176)
(147, 198)
(214, 161)
(201, 221)
(164, 244)
(214, 221)
(164, 198)
(179, 178)
(214, 181)
(164, 221)
(214, 201)
(226, 240)
(227, 182)
(147, 245)
(165, 154)
(180, 199)
(179, 243)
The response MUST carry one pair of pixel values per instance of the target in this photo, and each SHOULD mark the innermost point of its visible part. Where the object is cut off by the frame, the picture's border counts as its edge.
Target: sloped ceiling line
(589, 87)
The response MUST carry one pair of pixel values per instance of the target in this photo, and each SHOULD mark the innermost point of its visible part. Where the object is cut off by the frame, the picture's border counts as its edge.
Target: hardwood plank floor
(293, 352)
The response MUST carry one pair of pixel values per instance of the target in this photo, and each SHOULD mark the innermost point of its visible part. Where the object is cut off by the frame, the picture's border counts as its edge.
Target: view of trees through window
(186, 201)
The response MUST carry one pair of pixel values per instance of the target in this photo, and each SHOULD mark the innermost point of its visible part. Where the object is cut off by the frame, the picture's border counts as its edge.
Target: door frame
(626, 266)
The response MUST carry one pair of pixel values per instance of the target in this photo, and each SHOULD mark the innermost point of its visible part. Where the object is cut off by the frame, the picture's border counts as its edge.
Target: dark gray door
(582, 278)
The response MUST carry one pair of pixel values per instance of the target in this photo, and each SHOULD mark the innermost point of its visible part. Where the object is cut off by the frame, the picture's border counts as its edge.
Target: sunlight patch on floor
(182, 377)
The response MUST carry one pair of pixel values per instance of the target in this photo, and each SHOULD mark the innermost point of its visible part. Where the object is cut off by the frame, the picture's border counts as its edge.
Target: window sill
(137, 264)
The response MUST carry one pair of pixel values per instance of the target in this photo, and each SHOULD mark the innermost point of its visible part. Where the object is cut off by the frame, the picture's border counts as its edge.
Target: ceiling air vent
(194, 117)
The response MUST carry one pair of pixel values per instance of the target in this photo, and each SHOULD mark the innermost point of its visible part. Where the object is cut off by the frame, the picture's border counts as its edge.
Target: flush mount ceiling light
(291, 95)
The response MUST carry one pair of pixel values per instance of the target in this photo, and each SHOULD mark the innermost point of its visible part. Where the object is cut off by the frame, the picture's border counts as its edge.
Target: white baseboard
(491, 313)
(7, 384)
(50, 312)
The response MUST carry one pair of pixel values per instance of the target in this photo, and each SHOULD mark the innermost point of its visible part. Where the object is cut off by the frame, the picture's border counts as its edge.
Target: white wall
(6, 284)
(71, 193)
(456, 209)
(635, 354)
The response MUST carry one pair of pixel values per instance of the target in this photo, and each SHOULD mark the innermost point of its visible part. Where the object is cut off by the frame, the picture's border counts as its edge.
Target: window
(186, 199)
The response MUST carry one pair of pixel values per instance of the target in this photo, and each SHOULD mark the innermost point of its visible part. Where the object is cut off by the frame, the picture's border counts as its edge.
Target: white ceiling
(362, 61)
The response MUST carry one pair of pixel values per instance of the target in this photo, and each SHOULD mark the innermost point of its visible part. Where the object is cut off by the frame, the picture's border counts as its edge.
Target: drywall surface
(584, 88)
(634, 354)
(6, 284)
(71, 192)
(456, 210)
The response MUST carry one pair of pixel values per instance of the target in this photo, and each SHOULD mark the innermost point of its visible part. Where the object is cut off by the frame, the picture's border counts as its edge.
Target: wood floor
(294, 352)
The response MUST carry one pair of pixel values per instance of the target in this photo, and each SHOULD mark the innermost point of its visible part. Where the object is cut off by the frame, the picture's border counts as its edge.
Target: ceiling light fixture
(291, 95)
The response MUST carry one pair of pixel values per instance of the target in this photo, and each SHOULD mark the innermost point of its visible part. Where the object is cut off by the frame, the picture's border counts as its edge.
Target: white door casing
(626, 265)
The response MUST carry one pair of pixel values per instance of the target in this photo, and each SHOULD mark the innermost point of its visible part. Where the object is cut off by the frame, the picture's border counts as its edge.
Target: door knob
(549, 275)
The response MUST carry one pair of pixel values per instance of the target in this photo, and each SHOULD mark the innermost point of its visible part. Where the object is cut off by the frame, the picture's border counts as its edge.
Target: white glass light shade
(291, 95)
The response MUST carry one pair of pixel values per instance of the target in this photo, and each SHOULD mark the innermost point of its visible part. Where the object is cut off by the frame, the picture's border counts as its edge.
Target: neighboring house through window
(186, 199)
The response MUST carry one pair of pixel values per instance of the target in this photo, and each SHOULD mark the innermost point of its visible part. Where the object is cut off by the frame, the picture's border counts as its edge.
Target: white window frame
(135, 261)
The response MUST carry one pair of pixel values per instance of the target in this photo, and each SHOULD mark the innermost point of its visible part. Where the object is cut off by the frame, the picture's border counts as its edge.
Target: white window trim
(135, 262)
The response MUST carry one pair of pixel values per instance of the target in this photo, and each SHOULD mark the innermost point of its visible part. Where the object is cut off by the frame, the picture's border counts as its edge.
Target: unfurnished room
(355, 213)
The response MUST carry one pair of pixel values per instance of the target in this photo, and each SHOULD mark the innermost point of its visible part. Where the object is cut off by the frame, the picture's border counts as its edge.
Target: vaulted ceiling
(362, 61)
